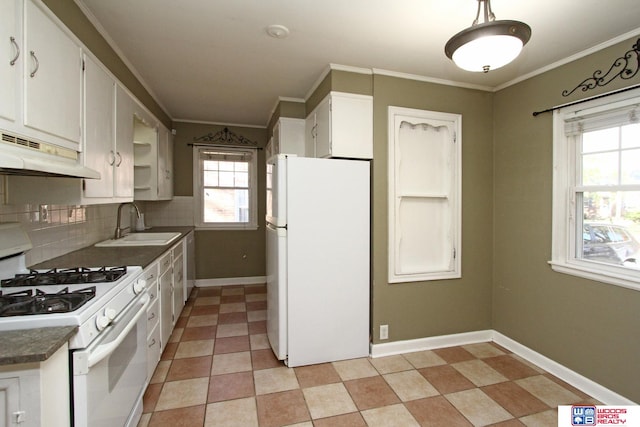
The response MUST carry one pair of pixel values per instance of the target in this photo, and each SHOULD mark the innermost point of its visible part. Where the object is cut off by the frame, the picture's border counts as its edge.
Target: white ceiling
(212, 60)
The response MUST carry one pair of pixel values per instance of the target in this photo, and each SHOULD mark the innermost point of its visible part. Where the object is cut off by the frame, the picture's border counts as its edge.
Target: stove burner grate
(69, 276)
(26, 303)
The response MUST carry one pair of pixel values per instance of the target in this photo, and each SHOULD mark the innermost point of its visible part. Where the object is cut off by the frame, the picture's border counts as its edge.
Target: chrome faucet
(118, 233)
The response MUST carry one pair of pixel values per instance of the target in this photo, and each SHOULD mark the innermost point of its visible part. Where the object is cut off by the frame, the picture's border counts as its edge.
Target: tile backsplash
(55, 230)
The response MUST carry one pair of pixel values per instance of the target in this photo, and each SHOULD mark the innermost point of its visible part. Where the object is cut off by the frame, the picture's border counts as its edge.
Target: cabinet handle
(35, 59)
(112, 158)
(153, 342)
(119, 159)
(153, 316)
(15, 44)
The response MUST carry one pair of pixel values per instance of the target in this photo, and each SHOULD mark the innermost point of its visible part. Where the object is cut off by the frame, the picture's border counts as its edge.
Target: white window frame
(198, 191)
(565, 154)
(452, 175)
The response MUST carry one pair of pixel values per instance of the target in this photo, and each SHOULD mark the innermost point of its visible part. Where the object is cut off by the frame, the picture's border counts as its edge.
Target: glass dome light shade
(488, 46)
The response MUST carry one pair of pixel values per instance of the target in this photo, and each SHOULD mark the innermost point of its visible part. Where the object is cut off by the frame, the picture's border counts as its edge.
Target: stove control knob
(139, 286)
(110, 314)
(102, 321)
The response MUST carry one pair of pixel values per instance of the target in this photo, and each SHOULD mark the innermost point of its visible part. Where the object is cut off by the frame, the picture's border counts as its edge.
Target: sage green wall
(590, 327)
(71, 15)
(222, 254)
(423, 309)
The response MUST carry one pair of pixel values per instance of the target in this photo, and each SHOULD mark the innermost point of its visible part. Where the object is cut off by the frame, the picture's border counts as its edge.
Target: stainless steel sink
(141, 239)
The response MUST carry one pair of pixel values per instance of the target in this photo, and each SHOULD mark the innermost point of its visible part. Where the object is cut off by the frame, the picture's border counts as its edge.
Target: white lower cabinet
(36, 394)
(154, 347)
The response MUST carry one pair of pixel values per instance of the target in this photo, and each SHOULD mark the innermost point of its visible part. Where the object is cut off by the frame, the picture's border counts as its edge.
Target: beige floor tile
(483, 350)
(424, 359)
(234, 307)
(232, 330)
(232, 413)
(230, 363)
(180, 394)
(205, 320)
(328, 400)
(479, 372)
(259, 341)
(541, 419)
(194, 349)
(176, 335)
(389, 416)
(161, 371)
(304, 424)
(386, 365)
(548, 391)
(410, 385)
(257, 315)
(275, 380)
(144, 420)
(479, 408)
(354, 369)
(207, 301)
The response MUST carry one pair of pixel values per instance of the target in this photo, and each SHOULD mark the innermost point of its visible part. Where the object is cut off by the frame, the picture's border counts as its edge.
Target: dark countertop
(33, 345)
(37, 345)
(115, 256)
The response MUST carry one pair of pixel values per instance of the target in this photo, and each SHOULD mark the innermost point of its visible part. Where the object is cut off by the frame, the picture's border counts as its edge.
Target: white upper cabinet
(123, 166)
(52, 77)
(288, 137)
(99, 151)
(11, 48)
(165, 164)
(341, 126)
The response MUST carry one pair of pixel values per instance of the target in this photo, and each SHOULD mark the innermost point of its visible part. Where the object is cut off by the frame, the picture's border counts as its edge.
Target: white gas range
(106, 303)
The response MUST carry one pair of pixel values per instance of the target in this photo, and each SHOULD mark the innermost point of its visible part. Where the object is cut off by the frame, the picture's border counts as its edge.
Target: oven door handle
(84, 360)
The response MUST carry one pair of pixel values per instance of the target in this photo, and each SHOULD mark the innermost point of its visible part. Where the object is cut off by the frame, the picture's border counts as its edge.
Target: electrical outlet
(384, 332)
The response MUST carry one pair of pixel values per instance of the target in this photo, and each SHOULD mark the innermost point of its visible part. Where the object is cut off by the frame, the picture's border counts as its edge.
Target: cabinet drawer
(177, 250)
(153, 316)
(153, 351)
(154, 291)
(165, 262)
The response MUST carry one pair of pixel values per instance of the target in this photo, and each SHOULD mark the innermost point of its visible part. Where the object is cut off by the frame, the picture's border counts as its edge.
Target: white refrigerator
(318, 252)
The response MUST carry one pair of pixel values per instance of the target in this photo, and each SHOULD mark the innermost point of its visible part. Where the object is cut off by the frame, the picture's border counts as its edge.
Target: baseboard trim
(231, 281)
(581, 382)
(430, 343)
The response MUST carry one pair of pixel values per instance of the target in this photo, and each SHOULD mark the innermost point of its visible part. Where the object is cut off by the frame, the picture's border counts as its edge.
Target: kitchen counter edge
(33, 345)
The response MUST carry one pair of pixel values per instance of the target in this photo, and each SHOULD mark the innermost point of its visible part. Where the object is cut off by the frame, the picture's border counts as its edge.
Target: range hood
(22, 156)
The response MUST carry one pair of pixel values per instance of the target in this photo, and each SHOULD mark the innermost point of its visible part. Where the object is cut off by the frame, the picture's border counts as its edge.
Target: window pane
(242, 179)
(227, 166)
(631, 136)
(600, 140)
(210, 165)
(226, 205)
(210, 178)
(611, 228)
(631, 167)
(242, 166)
(226, 179)
(600, 169)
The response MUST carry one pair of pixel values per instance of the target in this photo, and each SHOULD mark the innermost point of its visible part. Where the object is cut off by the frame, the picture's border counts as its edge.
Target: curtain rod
(202, 144)
(548, 110)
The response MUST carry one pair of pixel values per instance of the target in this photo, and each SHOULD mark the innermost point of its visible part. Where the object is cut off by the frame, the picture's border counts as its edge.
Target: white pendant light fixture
(489, 45)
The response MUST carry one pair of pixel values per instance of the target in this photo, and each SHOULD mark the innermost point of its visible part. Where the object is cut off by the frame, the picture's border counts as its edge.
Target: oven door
(110, 374)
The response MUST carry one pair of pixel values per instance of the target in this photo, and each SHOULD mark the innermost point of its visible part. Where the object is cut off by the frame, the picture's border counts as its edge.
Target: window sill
(606, 274)
(229, 227)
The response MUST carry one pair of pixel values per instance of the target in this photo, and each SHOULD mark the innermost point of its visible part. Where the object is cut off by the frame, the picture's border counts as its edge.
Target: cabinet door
(178, 287)
(323, 128)
(10, 46)
(9, 400)
(166, 306)
(123, 174)
(310, 135)
(351, 126)
(99, 154)
(165, 164)
(53, 78)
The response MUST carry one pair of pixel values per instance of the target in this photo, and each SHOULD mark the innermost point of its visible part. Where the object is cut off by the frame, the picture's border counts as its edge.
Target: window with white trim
(225, 185)
(596, 190)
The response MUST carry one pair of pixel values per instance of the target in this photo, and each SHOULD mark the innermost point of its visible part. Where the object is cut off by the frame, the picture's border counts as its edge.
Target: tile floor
(218, 370)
